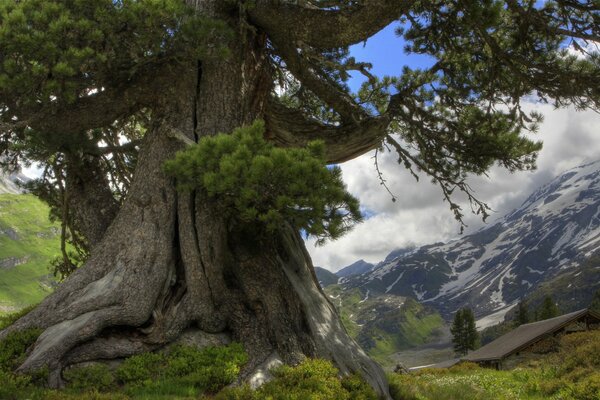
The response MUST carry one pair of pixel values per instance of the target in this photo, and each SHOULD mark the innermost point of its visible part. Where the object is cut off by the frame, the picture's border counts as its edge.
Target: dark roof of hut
(523, 336)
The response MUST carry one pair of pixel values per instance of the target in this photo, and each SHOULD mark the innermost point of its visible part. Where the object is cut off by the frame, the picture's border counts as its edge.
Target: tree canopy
(76, 77)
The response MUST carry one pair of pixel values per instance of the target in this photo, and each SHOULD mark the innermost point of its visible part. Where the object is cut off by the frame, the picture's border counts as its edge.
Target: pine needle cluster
(254, 181)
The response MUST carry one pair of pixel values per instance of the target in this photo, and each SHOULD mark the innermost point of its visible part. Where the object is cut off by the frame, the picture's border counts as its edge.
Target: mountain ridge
(553, 230)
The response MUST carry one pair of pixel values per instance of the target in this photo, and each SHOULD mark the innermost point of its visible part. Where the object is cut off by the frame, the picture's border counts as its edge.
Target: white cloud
(420, 217)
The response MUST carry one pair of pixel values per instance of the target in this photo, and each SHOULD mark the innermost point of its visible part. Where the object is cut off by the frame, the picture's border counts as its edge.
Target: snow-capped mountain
(490, 270)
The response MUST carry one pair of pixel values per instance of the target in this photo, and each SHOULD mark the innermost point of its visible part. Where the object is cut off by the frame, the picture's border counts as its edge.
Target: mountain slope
(385, 324)
(28, 241)
(357, 268)
(552, 231)
(325, 277)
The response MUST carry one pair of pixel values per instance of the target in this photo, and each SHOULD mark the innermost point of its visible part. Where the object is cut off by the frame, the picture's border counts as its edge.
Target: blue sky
(420, 216)
(385, 51)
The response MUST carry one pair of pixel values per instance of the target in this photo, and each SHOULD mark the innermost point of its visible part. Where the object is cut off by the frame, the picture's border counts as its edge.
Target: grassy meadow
(28, 238)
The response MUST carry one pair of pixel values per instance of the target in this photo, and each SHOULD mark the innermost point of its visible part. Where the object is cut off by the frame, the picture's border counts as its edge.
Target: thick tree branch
(326, 28)
(291, 128)
(102, 108)
(328, 91)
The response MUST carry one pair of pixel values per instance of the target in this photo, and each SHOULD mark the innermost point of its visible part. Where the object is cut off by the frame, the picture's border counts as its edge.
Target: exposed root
(261, 374)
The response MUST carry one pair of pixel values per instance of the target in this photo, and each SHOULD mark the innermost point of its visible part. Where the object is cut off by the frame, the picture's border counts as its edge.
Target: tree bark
(90, 199)
(170, 261)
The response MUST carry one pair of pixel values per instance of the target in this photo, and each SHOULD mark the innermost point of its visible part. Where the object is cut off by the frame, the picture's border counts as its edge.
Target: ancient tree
(104, 92)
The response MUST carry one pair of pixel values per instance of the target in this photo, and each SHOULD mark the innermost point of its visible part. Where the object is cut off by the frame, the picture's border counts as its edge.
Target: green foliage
(9, 319)
(522, 316)
(595, 304)
(77, 395)
(464, 332)
(312, 379)
(57, 50)
(141, 368)
(184, 371)
(91, 377)
(548, 309)
(210, 369)
(254, 181)
(574, 371)
(13, 347)
(14, 386)
(12, 353)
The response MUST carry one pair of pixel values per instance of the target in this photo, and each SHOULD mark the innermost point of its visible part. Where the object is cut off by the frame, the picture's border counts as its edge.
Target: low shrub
(95, 377)
(9, 319)
(141, 368)
(185, 371)
(464, 366)
(14, 346)
(209, 369)
(312, 379)
(12, 386)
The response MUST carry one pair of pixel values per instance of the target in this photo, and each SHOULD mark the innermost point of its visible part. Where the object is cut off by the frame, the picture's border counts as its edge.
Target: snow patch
(396, 281)
(366, 297)
(494, 318)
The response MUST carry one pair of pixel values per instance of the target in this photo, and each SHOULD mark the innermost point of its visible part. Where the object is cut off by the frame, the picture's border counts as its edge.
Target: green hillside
(385, 324)
(28, 241)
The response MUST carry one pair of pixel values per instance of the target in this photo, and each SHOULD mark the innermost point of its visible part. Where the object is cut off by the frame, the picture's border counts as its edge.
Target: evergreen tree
(522, 316)
(103, 93)
(595, 304)
(548, 309)
(464, 332)
(457, 330)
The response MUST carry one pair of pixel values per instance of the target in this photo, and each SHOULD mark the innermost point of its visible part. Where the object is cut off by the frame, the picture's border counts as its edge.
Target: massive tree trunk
(170, 262)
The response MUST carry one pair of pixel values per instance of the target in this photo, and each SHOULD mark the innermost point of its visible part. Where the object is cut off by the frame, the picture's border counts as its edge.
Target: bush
(91, 377)
(464, 366)
(209, 369)
(312, 379)
(14, 346)
(184, 372)
(141, 368)
(12, 386)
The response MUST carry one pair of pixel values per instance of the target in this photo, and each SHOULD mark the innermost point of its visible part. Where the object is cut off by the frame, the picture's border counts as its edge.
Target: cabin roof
(524, 336)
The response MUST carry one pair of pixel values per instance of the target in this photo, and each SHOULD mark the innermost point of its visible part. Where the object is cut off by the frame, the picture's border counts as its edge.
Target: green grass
(37, 242)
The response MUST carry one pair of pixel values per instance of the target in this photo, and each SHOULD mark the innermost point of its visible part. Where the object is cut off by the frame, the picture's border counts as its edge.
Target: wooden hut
(530, 340)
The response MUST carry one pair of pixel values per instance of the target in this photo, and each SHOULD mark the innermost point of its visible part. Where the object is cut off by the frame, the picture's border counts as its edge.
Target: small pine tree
(595, 304)
(548, 309)
(471, 334)
(522, 316)
(457, 332)
(464, 332)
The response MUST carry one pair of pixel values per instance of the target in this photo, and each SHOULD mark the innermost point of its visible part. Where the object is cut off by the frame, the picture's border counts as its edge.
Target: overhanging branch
(288, 127)
(326, 28)
(327, 90)
(102, 108)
